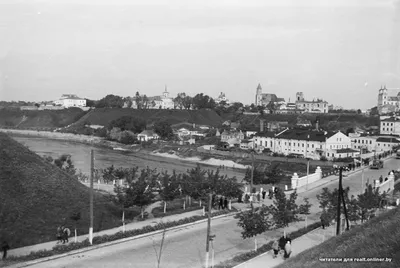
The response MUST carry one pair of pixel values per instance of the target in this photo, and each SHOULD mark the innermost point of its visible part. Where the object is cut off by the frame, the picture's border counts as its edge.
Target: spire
(259, 86)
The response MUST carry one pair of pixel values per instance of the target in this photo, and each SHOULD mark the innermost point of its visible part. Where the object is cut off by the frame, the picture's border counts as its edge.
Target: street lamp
(308, 160)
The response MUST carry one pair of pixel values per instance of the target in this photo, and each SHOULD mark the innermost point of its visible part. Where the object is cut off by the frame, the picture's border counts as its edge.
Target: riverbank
(103, 143)
(211, 161)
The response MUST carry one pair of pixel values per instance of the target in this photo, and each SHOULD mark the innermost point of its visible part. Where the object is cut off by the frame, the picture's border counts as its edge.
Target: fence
(302, 181)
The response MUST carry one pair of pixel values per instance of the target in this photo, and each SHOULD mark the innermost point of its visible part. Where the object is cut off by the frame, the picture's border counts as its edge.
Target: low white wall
(386, 186)
(303, 181)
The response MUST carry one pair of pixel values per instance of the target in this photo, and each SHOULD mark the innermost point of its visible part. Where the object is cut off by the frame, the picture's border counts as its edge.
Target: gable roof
(147, 133)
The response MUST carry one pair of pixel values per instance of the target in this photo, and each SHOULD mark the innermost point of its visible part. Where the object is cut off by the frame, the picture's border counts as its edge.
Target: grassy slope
(46, 118)
(36, 197)
(327, 121)
(105, 115)
(378, 238)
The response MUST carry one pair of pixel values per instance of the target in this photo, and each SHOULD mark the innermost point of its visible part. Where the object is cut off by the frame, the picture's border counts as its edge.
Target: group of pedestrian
(222, 203)
(283, 244)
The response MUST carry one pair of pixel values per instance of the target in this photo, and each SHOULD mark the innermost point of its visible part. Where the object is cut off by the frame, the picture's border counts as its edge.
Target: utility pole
(91, 197)
(341, 200)
(251, 180)
(208, 230)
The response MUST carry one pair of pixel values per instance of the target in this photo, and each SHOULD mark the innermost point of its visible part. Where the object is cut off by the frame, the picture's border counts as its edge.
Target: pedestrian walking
(263, 194)
(275, 247)
(225, 203)
(4, 248)
(221, 203)
(288, 250)
(282, 242)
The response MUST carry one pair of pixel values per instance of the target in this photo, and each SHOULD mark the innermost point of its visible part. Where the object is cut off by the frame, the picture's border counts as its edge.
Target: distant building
(147, 135)
(309, 144)
(263, 99)
(70, 100)
(314, 106)
(386, 103)
(221, 97)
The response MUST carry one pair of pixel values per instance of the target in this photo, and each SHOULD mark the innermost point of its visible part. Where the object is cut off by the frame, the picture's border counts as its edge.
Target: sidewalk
(299, 245)
(331, 178)
(130, 226)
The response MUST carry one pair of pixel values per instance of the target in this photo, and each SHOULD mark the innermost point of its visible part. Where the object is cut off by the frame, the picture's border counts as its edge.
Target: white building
(161, 102)
(390, 126)
(70, 100)
(373, 143)
(314, 106)
(222, 97)
(309, 144)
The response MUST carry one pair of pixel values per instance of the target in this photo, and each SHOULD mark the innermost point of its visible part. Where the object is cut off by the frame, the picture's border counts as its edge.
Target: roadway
(186, 247)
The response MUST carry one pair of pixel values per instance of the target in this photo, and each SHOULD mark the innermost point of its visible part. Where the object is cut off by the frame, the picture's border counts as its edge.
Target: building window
(370, 142)
(313, 146)
(302, 144)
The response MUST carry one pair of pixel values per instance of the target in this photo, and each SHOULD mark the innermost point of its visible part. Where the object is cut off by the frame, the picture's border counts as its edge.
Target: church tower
(382, 96)
(165, 93)
(258, 95)
(299, 96)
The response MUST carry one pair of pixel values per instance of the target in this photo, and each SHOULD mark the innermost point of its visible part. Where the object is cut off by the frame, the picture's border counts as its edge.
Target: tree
(64, 162)
(90, 103)
(304, 208)
(139, 192)
(161, 247)
(254, 222)
(169, 187)
(110, 101)
(76, 217)
(187, 102)
(369, 200)
(163, 128)
(201, 101)
(109, 174)
(145, 101)
(128, 102)
(138, 100)
(131, 123)
(283, 210)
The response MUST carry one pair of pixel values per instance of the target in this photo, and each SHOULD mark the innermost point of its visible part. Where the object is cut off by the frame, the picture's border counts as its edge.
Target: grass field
(175, 207)
(378, 238)
(36, 197)
(39, 119)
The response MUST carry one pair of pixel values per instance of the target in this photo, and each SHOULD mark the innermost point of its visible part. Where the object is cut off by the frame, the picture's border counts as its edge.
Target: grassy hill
(104, 116)
(327, 121)
(10, 117)
(36, 197)
(378, 238)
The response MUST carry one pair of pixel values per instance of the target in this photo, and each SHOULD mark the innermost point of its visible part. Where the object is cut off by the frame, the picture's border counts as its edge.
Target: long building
(310, 144)
(314, 106)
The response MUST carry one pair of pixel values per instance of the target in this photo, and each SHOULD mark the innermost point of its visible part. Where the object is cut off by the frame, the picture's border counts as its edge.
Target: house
(226, 135)
(147, 135)
(235, 125)
(277, 125)
(373, 143)
(246, 144)
(221, 97)
(70, 100)
(314, 106)
(390, 126)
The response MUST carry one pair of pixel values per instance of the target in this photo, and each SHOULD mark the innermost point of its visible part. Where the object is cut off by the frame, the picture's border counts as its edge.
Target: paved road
(185, 248)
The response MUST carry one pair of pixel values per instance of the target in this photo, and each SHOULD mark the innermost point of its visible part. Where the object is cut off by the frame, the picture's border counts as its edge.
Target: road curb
(119, 241)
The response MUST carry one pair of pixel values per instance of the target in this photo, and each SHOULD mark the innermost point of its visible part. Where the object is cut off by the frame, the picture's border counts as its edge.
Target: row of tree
(142, 186)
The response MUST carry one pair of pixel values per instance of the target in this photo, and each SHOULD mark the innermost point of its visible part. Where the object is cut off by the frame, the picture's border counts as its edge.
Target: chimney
(316, 125)
(261, 125)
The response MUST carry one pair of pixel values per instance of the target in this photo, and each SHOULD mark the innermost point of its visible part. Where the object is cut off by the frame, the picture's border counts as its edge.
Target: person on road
(4, 248)
(288, 250)
(225, 203)
(220, 203)
(275, 247)
(282, 242)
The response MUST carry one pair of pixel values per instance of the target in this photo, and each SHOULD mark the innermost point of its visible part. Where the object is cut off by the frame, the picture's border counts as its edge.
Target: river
(106, 157)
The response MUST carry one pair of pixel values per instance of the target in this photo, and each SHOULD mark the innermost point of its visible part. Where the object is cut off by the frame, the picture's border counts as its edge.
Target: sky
(339, 50)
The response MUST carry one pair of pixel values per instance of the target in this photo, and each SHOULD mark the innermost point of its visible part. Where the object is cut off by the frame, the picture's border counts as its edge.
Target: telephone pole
(251, 179)
(341, 200)
(208, 230)
(91, 197)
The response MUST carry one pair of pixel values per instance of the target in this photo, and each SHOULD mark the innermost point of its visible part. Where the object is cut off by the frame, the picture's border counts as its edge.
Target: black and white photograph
(199, 133)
